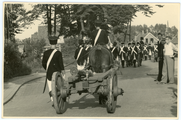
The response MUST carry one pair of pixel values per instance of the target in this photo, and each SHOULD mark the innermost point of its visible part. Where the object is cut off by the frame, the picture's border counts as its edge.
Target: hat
(129, 43)
(81, 42)
(115, 43)
(53, 40)
(138, 43)
(98, 23)
(141, 42)
(122, 43)
(133, 43)
(159, 34)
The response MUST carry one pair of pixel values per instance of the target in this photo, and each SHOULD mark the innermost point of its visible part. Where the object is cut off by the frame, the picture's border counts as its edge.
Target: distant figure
(122, 54)
(80, 56)
(169, 49)
(149, 48)
(134, 54)
(129, 63)
(155, 50)
(115, 51)
(52, 62)
(145, 52)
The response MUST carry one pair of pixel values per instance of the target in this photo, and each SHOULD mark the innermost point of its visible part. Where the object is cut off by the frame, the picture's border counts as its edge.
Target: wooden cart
(103, 84)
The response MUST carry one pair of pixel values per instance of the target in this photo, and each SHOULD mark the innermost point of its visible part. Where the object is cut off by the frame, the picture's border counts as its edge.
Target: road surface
(142, 98)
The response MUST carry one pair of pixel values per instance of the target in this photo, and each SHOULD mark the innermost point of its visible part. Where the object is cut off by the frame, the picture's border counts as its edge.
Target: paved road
(142, 98)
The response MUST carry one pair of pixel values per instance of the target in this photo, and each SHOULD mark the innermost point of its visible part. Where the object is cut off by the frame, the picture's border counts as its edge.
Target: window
(146, 40)
(151, 39)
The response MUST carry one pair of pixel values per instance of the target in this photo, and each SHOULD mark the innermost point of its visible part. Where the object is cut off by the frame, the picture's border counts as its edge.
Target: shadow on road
(174, 110)
(84, 103)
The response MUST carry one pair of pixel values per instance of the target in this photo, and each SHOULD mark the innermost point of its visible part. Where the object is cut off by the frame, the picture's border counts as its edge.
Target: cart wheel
(59, 101)
(102, 99)
(112, 100)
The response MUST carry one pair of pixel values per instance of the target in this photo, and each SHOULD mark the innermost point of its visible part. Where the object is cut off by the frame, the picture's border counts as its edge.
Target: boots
(122, 63)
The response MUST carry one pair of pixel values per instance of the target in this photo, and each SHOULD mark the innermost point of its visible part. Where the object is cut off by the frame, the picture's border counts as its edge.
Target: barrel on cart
(103, 84)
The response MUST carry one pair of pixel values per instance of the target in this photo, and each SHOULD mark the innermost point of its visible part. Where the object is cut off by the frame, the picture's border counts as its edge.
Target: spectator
(160, 57)
(169, 49)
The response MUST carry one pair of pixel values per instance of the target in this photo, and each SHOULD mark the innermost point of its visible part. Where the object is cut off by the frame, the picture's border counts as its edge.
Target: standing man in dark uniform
(80, 56)
(160, 57)
(55, 64)
(122, 54)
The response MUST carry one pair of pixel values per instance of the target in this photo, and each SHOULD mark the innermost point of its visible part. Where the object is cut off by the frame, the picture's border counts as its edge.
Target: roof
(152, 36)
(175, 40)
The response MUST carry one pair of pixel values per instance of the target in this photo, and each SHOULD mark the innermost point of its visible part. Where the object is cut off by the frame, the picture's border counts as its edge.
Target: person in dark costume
(160, 57)
(134, 54)
(150, 50)
(101, 33)
(155, 50)
(129, 63)
(145, 52)
(80, 56)
(122, 54)
(115, 51)
(52, 61)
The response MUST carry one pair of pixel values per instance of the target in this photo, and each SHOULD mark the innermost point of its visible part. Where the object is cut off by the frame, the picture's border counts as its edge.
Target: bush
(13, 65)
(34, 49)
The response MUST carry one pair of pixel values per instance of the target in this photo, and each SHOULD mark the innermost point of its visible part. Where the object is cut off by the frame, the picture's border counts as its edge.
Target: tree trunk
(130, 31)
(55, 20)
(82, 26)
(125, 34)
(49, 20)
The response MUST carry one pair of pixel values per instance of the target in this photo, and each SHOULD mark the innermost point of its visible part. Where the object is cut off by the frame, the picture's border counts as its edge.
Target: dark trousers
(160, 68)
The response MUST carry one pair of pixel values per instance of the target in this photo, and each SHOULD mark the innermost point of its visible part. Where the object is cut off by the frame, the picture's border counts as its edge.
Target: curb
(19, 88)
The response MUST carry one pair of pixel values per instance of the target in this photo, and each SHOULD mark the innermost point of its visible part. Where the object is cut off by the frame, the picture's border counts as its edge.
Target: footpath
(12, 86)
(154, 72)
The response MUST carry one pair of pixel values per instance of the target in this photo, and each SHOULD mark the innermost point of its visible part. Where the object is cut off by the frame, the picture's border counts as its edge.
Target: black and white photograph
(90, 60)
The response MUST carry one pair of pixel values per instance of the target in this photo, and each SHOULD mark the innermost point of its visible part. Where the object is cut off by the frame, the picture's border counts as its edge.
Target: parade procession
(90, 60)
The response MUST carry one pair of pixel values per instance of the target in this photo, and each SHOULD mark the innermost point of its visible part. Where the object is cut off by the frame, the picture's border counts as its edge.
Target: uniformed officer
(150, 49)
(80, 56)
(134, 54)
(122, 54)
(155, 50)
(115, 51)
(99, 36)
(52, 62)
(145, 52)
(129, 63)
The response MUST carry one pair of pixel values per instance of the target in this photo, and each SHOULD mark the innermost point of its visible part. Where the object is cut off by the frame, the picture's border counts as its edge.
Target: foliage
(13, 65)
(33, 49)
(154, 29)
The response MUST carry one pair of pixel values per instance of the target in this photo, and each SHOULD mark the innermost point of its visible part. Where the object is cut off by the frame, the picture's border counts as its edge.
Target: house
(147, 38)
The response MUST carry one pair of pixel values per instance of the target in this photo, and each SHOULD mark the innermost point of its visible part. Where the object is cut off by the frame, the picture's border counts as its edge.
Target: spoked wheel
(59, 100)
(112, 100)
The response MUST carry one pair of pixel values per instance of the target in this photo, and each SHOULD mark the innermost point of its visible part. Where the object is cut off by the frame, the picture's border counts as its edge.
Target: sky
(170, 12)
